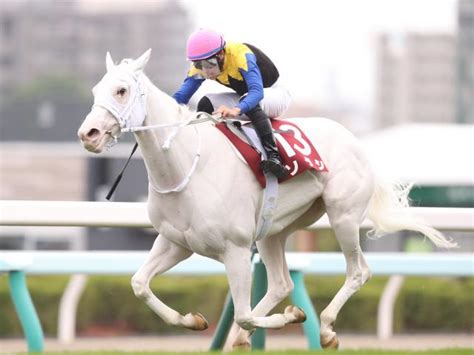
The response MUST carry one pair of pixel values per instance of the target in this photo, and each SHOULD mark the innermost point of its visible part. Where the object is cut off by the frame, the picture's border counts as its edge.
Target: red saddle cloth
(297, 151)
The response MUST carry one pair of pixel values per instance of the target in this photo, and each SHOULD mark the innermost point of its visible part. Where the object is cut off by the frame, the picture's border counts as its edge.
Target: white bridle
(132, 115)
(134, 112)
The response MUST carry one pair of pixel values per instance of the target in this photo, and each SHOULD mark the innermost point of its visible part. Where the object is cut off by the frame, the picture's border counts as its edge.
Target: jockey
(250, 73)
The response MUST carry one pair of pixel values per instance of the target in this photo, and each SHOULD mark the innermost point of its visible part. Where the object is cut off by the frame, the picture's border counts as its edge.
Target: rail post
(26, 311)
(300, 298)
(259, 288)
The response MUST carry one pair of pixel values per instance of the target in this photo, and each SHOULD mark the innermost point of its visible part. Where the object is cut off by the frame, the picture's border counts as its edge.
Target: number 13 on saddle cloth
(297, 152)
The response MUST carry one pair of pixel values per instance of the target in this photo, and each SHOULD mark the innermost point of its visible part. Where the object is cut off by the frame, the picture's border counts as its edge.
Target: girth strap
(270, 193)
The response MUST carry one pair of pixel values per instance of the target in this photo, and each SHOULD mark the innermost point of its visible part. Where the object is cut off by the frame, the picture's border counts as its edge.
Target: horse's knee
(290, 286)
(366, 275)
(140, 288)
(245, 322)
(355, 282)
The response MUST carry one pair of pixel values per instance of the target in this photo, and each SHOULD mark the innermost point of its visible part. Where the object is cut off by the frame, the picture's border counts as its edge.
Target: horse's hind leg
(346, 225)
(163, 256)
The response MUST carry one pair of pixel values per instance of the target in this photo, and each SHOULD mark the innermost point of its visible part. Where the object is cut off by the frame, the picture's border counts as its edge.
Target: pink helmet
(203, 44)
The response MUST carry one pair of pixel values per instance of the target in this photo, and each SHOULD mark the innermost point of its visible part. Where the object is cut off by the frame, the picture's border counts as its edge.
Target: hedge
(109, 305)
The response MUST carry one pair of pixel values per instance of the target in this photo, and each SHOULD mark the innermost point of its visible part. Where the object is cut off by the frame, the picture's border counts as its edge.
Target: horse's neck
(166, 167)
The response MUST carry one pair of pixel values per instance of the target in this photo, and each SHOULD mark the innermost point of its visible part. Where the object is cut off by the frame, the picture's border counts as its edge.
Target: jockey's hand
(228, 112)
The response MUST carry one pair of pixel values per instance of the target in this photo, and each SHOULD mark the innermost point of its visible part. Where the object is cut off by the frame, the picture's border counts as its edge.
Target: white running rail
(132, 214)
(135, 214)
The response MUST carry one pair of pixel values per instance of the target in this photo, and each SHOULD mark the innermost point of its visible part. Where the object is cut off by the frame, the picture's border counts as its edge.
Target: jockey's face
(211, 67)
(211, 72)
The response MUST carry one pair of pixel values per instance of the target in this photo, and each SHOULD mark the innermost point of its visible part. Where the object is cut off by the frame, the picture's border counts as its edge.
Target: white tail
(389, 212)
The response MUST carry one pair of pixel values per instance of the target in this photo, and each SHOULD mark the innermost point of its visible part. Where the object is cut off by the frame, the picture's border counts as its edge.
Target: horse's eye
(121, 91)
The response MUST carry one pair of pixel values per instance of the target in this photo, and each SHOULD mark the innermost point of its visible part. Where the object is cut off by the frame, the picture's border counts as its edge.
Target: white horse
(202, 198)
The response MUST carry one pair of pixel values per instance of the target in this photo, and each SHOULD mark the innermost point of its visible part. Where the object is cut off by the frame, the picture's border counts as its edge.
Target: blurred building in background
(427, 77)
(424, 90)
(465, 62)
(41, 38)
(416, 77)
(51, 55)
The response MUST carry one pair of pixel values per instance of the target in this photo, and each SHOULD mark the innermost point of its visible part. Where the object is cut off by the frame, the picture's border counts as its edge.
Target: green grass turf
(271, 352)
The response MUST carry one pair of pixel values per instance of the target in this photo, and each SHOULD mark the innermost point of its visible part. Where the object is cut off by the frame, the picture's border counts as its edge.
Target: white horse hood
(133, 112)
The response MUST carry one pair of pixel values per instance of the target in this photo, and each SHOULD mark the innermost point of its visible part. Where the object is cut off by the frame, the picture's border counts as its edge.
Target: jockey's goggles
(208, 63)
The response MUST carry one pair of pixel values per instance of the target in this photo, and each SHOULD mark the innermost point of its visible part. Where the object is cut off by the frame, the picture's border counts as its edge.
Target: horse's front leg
(272, 252)
(238, 267)
(163, 256)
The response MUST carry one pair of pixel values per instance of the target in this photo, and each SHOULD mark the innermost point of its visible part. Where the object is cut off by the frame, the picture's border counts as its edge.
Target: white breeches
(276, 100)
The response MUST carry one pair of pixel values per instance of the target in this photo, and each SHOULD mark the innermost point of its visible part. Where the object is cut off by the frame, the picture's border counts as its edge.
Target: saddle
(297, 152)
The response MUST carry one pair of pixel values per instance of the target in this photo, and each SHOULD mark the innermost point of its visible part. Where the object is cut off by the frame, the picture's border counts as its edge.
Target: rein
(129, 114)
(200, 117)
(131, 117)
(187, 178)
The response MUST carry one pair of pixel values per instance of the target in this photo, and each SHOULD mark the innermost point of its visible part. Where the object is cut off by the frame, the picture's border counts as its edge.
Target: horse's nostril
(93, 133)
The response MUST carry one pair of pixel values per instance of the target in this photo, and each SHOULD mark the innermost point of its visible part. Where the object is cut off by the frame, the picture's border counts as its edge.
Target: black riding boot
(205, 105)
(262, 126)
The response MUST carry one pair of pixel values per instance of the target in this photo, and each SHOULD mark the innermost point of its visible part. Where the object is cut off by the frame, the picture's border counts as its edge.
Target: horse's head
(119, 102)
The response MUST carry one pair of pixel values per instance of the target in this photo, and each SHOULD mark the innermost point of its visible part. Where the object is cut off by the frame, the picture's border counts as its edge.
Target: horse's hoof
(198, 321)
(297, 313)
(241, 342)
(333, 343)
(243, 346)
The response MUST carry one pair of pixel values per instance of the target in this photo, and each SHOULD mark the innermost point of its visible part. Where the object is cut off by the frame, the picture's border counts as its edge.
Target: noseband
(133, 113)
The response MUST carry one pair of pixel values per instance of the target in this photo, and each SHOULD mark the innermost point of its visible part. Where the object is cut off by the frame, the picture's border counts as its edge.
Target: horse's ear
(109, 63)
(139, 64)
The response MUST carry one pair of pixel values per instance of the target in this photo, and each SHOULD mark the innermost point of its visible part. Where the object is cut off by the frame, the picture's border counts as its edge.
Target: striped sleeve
(190, 85)
(253, 79)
